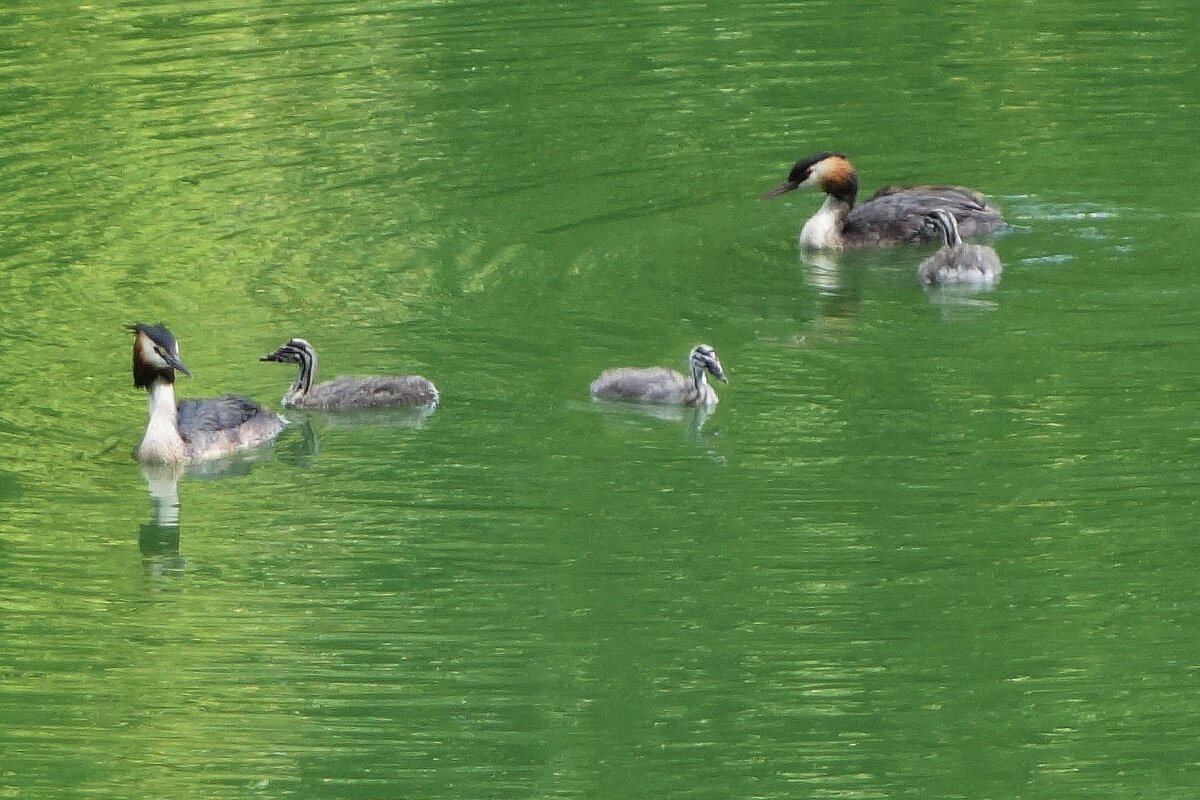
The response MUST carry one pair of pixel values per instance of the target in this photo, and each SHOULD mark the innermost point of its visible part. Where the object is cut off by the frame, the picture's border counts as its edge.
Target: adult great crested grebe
(893, 215)
(193, 430)
(957, 262)
(660, 385)
(382, 391)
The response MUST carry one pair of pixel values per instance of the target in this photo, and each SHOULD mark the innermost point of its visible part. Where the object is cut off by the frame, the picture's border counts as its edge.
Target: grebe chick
(893, 215)
(659, 385)
(193, 430)
(957, 262)
(384, 391)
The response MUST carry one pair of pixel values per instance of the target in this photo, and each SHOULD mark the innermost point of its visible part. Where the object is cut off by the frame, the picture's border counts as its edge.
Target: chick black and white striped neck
(702, 360)
(384, 391)
(947, 225)
(660, 385)
(303, 355)
(957, 262)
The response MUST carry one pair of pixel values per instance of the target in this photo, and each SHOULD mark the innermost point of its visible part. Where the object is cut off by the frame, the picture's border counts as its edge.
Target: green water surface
(929, 545)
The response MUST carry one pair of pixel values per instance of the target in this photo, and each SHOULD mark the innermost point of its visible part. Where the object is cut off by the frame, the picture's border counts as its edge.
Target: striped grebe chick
(893, 215)
(660, 385)
(381, 391)
(956, 262)
(193, 430)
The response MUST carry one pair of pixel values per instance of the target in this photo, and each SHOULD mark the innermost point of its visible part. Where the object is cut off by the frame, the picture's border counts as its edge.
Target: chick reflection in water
(665, 393)
(957, 272)
(694, 416)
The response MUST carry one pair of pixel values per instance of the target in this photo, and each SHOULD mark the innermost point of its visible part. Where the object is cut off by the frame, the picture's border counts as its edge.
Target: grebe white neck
(823, 230)
(162, 443)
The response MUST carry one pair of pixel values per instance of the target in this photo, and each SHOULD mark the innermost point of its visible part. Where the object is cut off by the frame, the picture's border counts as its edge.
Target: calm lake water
(930, 544)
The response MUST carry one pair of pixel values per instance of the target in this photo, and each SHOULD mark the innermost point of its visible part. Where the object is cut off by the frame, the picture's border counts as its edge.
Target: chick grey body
(193, 430)
(661, 385)
(381, 391)
(955, 261)
(894, 215)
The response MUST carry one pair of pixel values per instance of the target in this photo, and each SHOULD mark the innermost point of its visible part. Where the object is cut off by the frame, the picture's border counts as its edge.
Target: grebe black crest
(893, 215)
(660, 385)
(381, 391)
(956, 262)
(193, 430)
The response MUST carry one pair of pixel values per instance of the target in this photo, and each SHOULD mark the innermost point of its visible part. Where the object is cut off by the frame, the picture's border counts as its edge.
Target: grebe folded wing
(217, 426)
(216, 413)
(900, 213)
(952, 194)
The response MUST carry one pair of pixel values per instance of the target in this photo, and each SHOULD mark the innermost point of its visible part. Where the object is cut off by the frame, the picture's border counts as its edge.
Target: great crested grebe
(660, 385)
(384, 391)
(193, 430)
(956, 262)
(893, 215)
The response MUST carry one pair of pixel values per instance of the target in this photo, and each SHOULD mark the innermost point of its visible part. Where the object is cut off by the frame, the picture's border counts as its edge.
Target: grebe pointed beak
(783, 188)
(175, 363)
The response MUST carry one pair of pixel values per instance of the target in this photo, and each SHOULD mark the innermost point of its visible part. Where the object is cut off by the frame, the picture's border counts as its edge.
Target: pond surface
(929, 545)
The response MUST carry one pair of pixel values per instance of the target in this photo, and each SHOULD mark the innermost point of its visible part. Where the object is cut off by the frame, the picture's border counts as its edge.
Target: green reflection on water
(928, 545)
